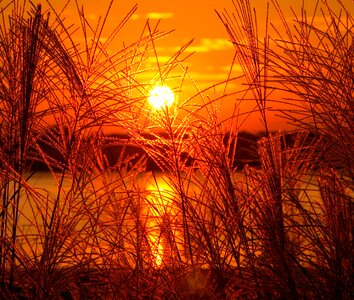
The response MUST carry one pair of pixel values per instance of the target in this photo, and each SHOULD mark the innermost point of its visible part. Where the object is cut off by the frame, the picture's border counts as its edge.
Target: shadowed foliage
(178, 203)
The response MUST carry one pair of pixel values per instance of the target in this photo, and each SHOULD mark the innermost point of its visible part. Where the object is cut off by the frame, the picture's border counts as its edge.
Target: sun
(161, 96)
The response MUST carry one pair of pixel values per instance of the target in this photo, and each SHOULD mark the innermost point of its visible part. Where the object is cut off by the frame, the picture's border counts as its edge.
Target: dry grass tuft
(105, 226)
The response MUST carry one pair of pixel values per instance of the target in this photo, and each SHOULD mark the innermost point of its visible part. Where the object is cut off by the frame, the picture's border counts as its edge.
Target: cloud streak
(160, 15)
(207, 45)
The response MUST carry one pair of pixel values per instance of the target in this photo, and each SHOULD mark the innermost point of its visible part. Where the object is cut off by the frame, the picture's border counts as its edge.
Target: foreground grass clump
(98, 225)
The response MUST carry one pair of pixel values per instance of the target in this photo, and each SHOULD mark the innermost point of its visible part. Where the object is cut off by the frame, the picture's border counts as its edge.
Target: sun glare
(161, 97)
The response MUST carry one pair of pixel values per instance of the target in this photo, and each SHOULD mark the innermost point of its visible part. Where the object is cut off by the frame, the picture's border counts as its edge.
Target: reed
(200, 226)
(303, 65)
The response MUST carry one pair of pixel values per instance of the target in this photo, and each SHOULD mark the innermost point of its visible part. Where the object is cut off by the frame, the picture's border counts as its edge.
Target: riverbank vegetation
(201, 227)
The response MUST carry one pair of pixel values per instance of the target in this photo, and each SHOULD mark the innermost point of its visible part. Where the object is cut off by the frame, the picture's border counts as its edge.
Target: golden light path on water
(161, 208)
(160, 213)
(159, 198)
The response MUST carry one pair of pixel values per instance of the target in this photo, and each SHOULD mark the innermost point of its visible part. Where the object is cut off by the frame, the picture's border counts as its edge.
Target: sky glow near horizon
(211, 51)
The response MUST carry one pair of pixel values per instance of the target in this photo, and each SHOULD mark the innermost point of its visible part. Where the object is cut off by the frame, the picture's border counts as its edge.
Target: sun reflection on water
(161, 208)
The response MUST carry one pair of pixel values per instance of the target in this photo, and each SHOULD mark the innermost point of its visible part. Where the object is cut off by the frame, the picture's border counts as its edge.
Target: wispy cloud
(161, 59)
(207, 45)
(135, 17)
(235, 68)
(208, 76)
(160, 15)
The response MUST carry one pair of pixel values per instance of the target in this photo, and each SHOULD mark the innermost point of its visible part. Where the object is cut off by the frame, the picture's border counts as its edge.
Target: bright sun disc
(161, 96)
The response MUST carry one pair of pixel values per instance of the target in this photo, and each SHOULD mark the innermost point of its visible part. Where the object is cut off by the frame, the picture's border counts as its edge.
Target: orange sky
(191, 19)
